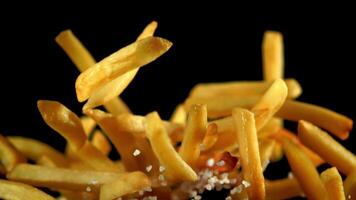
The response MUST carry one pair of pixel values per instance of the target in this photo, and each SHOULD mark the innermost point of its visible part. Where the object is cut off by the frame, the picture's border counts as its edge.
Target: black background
(217, 43)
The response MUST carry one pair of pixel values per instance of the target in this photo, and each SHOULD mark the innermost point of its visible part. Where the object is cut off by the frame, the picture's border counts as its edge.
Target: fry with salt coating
(9, 155)
(126, 184)
(333, 183)
(326, 147)
(245, 131)
(194, 134)
(176, 168)
(283, 189)
(304, 171)
(19, 191)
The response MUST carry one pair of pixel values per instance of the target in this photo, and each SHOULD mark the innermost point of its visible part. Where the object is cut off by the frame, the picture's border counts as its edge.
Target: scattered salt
(246, 184)
(162, 168)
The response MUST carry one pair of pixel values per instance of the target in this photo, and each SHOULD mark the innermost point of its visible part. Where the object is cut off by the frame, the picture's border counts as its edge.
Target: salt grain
(88, 189)
(162, 168)
(149, 168)
(136, 152)
(210, 162)
(220, 163)
(228, 198)
(246, 184)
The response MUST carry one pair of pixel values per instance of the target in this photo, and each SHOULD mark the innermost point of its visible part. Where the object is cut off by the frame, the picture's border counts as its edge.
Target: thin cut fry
(277, 153)
(325, 146)
(64, 121)
(9, 155)
(88, 124)
(18, 191)
(337, 124)
(176, 168)
(127, 184)
(194, 134)
(266, 147)
(211, 136)
(128, 58)
(249, 152)
(333, 183)
(82, 59)
(304, 171)
(350, 186)
(60, 178)
(34, 149)
(179, 115)
(273, 58)
(100, 142)
(46, 161)
(270, 103)
(283, 189)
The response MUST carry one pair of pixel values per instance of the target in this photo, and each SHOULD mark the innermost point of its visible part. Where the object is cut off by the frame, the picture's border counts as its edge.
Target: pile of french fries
(223, 136)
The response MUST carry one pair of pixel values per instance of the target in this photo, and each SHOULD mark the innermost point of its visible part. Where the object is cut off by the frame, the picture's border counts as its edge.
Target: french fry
(333, 183)
(34, 150)
(179, 115)
(46, 161)
(350, 186)
(100, 142)
(64, 121)
(273, 58)
(270, 103)
(283, 189)
(60, 178)
(210, 137)
(176, 168)
(19, 191)
(336, 123)
(326, 147)
(266, 147)
(304, 171)
(88, 124)
(272, 127)
(277, 153)
(82, 59)
(245, 131)
(9, 155)
(127, 184)
(194, 134)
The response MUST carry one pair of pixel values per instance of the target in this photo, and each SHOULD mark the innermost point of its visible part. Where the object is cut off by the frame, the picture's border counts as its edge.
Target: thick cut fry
(273, 58)
(241, 89)
(126, 184)
(350, 186)
(179, 115)
(304, 171)
(34, 149)
(333, 183)
(82, 59)
(283, 189)
(337, 124)
(176, 168)
(64, 121)
(325, 146)
(10, 190)
(128, 58)
(249, 152)
(101, 143)
(194, 134)
(266, 147)
(60, 178)
(270, 103)
(9, 155)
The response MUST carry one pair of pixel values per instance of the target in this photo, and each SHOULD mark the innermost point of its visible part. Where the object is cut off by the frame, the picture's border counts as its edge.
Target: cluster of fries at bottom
(222, 137)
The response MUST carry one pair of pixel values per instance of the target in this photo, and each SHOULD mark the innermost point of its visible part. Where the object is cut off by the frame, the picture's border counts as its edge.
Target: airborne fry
(222, 137)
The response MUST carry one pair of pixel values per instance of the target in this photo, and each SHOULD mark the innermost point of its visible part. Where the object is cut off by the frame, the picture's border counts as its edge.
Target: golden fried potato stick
(272, 127)
(326, 147)
(194, 134)
(73, 195)
(10, 190)
(210, 138)
(246, 135)
(61, 178)
(350, 186)
(337, 124)
(128, 58)
(176, 168)
(179, 115)
(82, 59)
(333, 183)
(46, 161)
(34, 149)
(88, 124)
(241, 89)
(64, 121)
(270, 103)
(283, 189)
(273, 55)
(100, 142)
(304, 171)
(9, 155)
(266, 147)
(277, 153)
(126, 184)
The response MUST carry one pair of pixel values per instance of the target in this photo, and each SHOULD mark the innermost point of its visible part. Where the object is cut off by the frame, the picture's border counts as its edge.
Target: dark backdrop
(218, 43)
